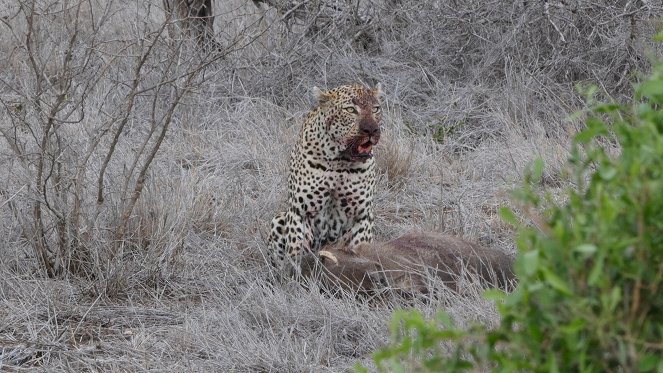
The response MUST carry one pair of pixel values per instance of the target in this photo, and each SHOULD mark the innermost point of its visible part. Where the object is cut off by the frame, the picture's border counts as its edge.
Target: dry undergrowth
(138, 176)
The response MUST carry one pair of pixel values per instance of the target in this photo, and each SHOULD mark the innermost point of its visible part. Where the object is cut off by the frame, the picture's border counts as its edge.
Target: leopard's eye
(350, 109)
(376, 109)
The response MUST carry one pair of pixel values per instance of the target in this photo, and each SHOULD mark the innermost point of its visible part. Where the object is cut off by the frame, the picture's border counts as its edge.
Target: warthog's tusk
(328, 255)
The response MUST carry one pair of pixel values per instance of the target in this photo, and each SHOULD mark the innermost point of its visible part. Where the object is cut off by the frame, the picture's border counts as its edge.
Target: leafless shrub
(84, 127)
(347, 21)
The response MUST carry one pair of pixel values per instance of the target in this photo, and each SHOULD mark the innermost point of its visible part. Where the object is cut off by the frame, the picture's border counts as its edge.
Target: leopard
(331, 178)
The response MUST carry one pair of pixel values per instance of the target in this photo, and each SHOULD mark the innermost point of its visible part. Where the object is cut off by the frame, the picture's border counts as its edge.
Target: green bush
(590, 295)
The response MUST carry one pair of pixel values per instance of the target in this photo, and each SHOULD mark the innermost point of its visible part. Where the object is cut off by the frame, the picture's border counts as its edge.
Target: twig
(8, 200)
(546, 9)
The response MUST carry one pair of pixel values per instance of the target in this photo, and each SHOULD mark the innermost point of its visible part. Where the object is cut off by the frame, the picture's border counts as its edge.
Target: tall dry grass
(139, 173)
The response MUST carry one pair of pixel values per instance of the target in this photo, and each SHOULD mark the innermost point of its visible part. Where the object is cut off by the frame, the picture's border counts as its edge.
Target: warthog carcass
(408, 263)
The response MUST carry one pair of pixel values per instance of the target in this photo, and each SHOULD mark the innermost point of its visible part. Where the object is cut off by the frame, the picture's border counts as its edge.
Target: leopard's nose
(369, 127)
(370, 132)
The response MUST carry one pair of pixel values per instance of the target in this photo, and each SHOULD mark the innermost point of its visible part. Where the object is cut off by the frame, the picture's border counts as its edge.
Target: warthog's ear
(378, 277)
(320, 96)
(353, 250)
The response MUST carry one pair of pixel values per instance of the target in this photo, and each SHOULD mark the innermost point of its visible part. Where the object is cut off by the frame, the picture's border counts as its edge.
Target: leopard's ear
(320, 96)
(377, 91)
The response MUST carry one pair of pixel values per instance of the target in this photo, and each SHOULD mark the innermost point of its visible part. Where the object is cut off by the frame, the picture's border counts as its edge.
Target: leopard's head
(352, 122)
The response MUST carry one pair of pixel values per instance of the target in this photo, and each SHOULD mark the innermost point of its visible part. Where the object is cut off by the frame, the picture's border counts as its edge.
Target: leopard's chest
(349, 193)
(324, 190)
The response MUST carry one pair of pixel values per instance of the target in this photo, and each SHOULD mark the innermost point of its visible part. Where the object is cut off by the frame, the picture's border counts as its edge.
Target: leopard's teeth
(365, 149)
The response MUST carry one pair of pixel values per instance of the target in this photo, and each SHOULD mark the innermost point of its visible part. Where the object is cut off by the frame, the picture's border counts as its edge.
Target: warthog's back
(451, 256)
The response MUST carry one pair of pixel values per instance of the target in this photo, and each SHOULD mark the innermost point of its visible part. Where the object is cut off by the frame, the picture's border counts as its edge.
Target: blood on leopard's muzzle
(360, 146)
(370, 128)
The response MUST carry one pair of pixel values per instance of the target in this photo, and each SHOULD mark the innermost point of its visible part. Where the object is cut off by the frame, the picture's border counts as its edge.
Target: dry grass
(473, 94)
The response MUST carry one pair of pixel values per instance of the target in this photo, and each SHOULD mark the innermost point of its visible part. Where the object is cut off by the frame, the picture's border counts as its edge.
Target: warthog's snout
(324, 254)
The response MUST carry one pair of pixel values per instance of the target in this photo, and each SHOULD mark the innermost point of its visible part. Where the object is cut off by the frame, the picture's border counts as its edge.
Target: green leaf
(444, 319)
(573, 327)
(396, 367)
(607, 172)
(531, 262)
(508, 216)
(615, 297)
(515, 297)
(606, 108)
(586, 248)
(495, 295)
(360, 368)
(658, 36)
(648, 363)
(537, 170)
(556, 282)
(595, 127)
(651, 88)
(553, 368)
(595, 272)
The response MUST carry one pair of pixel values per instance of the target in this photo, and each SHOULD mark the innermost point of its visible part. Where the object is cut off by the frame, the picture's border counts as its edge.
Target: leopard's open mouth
(359, 149)
(364, 149)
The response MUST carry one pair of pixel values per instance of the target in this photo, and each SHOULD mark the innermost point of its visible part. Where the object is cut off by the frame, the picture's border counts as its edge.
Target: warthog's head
(351, 271)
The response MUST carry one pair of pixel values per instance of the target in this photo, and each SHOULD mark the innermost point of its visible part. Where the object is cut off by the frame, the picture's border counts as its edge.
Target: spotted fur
(331, 177)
